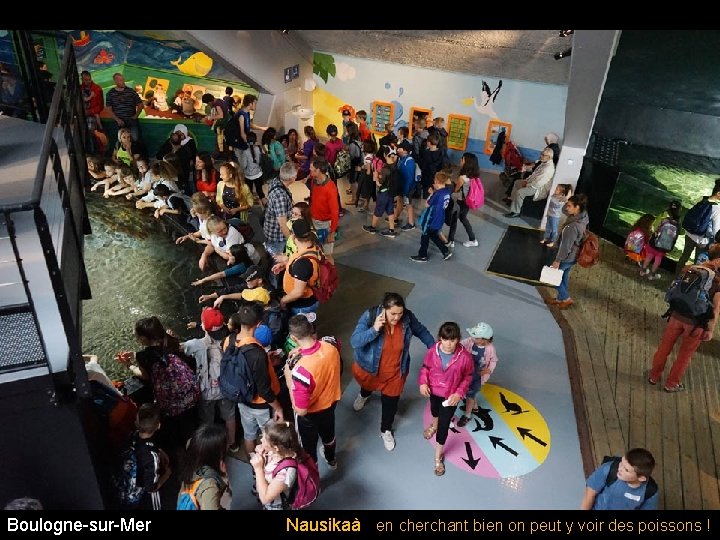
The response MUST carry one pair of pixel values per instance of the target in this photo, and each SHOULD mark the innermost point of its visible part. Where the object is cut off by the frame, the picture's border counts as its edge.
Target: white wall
(261, 56)
(533, 109)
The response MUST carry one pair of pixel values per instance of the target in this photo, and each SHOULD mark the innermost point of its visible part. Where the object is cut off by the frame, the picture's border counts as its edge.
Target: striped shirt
(123, 102)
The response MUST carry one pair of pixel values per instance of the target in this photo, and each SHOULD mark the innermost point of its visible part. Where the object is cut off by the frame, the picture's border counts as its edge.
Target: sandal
(429, 431)
(440, 466)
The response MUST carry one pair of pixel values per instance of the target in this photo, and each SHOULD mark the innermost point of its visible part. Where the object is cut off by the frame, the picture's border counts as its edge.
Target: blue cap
(264, 335)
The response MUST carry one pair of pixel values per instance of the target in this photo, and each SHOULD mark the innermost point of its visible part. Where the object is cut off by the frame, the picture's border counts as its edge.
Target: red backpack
(589, 253)
(327, 281)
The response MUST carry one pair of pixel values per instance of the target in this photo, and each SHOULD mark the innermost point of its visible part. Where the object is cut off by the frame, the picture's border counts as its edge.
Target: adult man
(279, 207)
(124, 105)
(700, 242)
(243, 116)
(537, 184)
(692, 332)
(312, 374)
(92, 98)
(324, 205)
(301, 272)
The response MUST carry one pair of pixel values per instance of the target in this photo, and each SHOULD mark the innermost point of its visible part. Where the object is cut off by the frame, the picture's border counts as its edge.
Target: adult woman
(305, 156)
(127, 150)
(571, 239)
(301, 273)
(381, 341)
(173, 381)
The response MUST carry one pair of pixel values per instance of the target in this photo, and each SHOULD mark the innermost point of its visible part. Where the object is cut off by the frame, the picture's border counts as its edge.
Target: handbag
(551, 276)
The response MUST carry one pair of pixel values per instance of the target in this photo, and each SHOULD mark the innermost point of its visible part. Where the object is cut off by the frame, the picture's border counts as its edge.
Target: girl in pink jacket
(444, 377)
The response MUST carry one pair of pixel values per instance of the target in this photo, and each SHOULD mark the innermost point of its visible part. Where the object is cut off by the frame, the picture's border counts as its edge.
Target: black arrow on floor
(471, 461)
(496, 442)
(524, 432)
(477, 426)
(454, 430)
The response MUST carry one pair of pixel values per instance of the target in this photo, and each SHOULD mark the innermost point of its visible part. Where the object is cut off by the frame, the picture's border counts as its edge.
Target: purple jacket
(454, 380)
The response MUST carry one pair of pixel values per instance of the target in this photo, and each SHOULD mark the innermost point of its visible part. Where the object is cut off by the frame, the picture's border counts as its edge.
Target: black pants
(258, 182)
(389, 406)
(431, 234)
(462, 217)
(444, 416)
(316, 425)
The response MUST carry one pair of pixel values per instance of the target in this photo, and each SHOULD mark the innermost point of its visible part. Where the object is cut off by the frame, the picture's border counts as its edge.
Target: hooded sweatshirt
(571, 237)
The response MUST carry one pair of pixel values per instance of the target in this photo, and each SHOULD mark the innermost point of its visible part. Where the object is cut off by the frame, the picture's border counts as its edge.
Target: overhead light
(564, 54)
(566, 33)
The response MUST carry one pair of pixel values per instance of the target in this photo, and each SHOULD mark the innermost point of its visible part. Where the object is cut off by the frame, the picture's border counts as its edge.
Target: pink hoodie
(453, 380)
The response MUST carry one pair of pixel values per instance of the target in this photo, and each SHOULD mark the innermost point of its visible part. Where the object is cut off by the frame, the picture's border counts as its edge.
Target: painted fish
(104, 57)
(199, 64)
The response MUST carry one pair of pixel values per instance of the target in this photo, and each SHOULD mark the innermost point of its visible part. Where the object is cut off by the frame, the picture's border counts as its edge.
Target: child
(160, 173)
(665, 233)
(203, 471)
(387, 185)
(254, 292)
(638, 237)
(365, 135)
(480, 347)
(439, 128)
(632, 489)
(168, 202)
(207, 352)
(389, 138)
(110, 167)
(96, 168)
(554, 213)
(152, 464)
(366, 185)
(433, 218)
(250, 164)
(430, 161)
(126, 184)
(406, 166)
(444, 377)
(279, 442)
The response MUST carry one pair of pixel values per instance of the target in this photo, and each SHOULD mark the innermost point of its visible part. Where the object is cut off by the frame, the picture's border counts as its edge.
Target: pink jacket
(454, 380)
(490, 356)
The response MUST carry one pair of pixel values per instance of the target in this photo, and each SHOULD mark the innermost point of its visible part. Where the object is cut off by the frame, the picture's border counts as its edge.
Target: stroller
(513, 163)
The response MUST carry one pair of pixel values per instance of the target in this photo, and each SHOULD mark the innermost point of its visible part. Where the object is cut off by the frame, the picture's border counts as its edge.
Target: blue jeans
(551, 228)
(562, 289)
(309, 309)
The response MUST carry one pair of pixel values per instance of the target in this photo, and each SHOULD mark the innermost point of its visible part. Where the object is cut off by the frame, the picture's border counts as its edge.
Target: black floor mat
(520, 255)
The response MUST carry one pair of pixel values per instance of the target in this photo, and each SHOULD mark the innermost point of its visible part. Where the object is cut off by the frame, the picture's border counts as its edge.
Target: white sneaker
(470, 243)
(359, 402)
(451, 244)
(388, 440)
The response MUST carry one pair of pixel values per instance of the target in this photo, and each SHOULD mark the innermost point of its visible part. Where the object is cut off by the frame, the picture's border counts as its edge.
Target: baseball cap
(301, 228)
(263, 335)
(481, 330)
(212, 319)
(406, 145)
(251, 273)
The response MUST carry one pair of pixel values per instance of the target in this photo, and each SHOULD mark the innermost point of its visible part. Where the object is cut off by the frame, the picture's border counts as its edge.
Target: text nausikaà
(323, 525)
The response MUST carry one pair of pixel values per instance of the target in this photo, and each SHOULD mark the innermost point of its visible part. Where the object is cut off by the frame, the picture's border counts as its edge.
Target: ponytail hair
(580, 200)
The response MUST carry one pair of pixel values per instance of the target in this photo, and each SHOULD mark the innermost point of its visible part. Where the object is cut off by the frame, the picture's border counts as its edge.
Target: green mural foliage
(323, 66)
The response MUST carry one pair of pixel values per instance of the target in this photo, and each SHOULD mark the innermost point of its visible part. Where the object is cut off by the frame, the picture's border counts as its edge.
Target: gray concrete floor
(531, 371)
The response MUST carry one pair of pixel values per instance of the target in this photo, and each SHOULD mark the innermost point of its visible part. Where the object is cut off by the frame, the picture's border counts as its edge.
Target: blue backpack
(699, 218)
(236, 379)
(187, 500)
(125, 482)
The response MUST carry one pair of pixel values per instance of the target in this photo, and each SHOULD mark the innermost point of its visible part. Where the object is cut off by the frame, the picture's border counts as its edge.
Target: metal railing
(59, 210)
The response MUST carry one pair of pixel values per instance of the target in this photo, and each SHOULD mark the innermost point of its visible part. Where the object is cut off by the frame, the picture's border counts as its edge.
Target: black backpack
(689, 295)
(236, 379)
(698, 219)
(268, 169)
(650, 489)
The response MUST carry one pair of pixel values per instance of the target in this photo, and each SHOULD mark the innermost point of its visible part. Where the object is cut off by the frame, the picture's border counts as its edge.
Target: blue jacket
(368, 342)
(433, 216)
